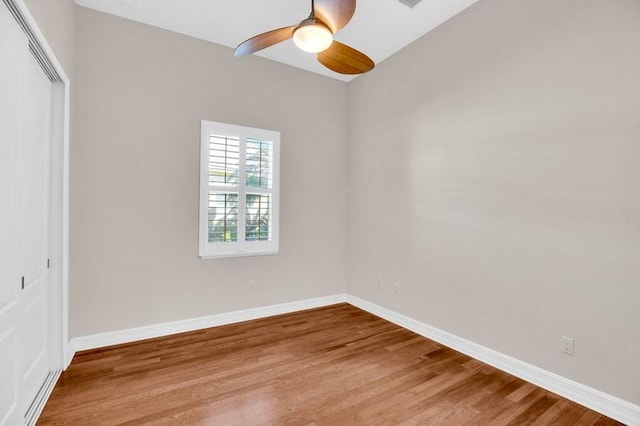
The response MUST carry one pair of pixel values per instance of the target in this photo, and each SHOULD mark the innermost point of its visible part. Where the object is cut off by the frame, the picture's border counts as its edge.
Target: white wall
(494, 169)
(140, 95)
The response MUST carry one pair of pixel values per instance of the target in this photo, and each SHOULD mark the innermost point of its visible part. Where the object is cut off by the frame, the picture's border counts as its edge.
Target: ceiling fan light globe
(313, 38)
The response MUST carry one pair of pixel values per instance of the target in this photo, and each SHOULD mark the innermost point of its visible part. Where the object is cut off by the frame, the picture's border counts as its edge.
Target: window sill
(232, 255)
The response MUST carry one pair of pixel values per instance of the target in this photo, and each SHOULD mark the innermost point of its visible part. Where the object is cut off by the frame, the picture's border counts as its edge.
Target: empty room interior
(300, 212)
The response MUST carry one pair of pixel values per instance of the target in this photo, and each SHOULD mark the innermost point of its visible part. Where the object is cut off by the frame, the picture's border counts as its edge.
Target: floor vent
(410, 3)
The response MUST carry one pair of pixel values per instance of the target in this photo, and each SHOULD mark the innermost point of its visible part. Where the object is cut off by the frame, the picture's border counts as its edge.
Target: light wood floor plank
(330, 366)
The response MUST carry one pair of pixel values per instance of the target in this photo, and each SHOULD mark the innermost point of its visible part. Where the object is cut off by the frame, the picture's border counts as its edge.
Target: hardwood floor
(329, 366)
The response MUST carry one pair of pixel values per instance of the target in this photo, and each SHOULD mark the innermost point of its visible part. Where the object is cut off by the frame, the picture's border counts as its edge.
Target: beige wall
(56, 19)
(494, 169)
(140, 95)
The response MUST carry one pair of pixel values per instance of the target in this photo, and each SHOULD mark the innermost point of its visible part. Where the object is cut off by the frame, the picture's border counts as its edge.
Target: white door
(13, 60)
(25, 139)
(33, 230)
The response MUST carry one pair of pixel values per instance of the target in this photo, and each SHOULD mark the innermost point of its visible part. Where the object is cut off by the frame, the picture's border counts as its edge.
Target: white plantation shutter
(223, 217)
(259, 163)
(257, 217)
(223, 173)
(224, 159)
(239, 197)
(259, 177)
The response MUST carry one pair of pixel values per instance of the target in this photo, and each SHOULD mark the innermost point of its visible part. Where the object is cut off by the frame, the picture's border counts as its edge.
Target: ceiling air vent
(410, 3)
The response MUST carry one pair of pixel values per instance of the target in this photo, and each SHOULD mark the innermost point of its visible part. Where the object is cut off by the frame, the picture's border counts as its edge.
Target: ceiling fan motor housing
(313, 36)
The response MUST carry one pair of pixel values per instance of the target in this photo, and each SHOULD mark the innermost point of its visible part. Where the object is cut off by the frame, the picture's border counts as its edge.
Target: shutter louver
(224, 169)
(224, 159)
(223, 217)
(258, 213)
(259, 163)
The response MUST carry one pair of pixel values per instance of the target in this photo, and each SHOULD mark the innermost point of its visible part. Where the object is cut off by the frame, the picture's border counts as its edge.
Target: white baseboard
(616, 408)
(611, 406)
(69, 353)
(165, 329)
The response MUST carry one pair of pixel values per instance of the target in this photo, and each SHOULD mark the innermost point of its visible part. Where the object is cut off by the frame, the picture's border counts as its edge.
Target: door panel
(13, 67)
(34, 176)
(13, 47)
(8, 369)
(34, 340)
(33, 230)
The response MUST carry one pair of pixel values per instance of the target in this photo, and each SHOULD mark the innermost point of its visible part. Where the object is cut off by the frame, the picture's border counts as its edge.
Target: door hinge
(48, 263)
(23, 282)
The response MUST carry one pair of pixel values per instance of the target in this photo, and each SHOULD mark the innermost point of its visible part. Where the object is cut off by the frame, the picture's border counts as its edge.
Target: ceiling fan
(315, 35)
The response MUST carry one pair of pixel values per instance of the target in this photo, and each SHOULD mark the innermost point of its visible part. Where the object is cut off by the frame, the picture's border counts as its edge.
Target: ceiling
(379, 28)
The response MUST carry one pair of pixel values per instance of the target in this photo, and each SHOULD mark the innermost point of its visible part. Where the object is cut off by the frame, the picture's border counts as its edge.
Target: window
(239, 192)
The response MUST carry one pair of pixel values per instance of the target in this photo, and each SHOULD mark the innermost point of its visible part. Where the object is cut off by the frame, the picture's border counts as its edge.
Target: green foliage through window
(259, 163)
(224, 159)
(223, 217)
(257, 217)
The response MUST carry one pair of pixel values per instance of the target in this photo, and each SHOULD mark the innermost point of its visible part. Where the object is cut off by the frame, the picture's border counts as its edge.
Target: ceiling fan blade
(264, 40)
(336, 14)
(345, 60)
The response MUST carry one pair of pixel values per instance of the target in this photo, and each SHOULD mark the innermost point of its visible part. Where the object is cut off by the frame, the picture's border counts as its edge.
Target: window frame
(240, 248)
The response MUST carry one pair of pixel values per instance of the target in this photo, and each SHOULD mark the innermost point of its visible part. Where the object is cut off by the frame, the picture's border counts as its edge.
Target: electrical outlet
(379, 284)
(396, 288)
(252, 284)
(567, 345)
